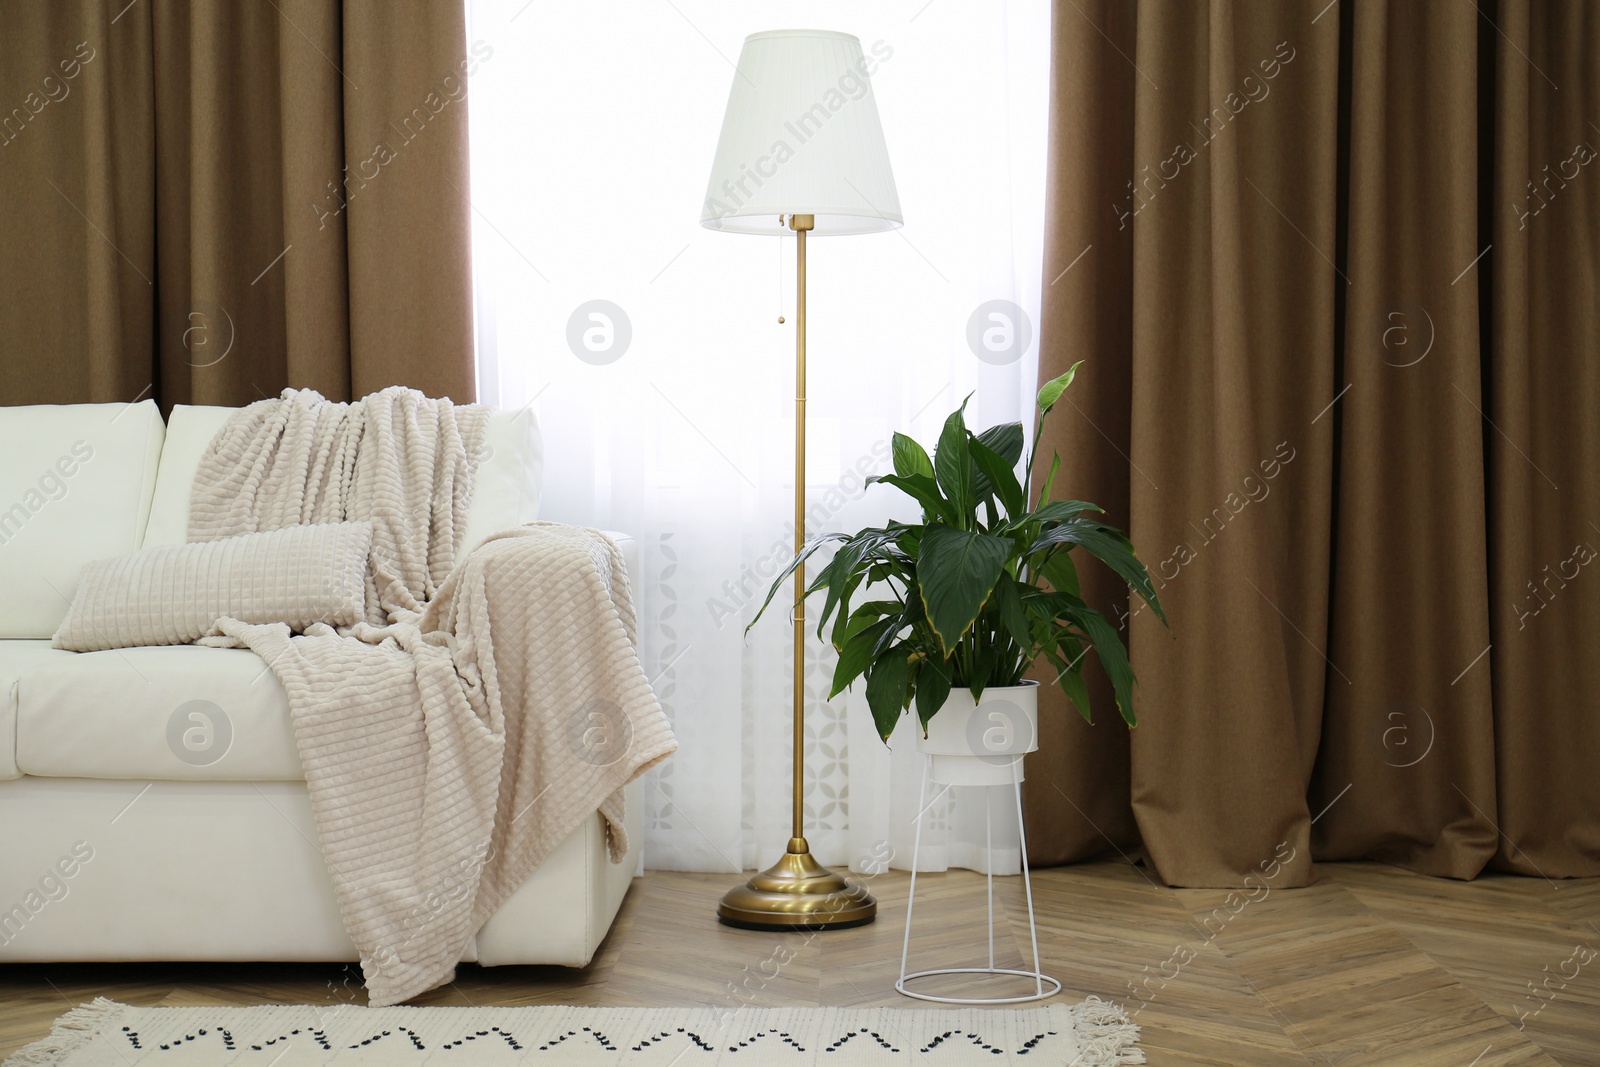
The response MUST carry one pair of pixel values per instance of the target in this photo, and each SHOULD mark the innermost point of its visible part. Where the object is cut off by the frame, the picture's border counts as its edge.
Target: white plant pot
(982, 742)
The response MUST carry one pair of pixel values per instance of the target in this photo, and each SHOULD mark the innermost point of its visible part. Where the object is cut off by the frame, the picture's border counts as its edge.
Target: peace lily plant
(978, 590)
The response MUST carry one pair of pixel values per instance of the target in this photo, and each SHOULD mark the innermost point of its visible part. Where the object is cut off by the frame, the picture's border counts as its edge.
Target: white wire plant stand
(993, 766)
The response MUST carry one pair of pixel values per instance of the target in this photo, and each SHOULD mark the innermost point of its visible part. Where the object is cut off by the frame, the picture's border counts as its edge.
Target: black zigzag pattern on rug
(600, 1038)
(837, 1045)
(135, 1040)
(783, 1036)
(663, 1035)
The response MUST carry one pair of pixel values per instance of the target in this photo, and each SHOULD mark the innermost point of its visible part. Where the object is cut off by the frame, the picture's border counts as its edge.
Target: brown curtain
(1338, 303)
(206, 202)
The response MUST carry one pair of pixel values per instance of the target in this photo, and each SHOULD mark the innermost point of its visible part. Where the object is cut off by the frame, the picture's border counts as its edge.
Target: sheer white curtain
(650, 351)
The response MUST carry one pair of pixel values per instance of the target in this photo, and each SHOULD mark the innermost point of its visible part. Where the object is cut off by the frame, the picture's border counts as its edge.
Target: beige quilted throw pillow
(174, 594)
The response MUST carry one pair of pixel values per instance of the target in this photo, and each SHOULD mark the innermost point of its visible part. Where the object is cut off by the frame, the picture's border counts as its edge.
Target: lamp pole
(797, 892)
(801, 225)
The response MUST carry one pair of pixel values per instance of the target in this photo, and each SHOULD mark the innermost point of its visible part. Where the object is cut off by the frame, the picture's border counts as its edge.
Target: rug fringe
(1106, 1037)
(71, 1032)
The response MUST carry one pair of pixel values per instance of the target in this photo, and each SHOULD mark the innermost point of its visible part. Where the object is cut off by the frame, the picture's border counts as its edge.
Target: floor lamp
(801, 151)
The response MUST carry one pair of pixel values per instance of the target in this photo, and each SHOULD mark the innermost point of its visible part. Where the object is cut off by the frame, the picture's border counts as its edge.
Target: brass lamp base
(797, 893)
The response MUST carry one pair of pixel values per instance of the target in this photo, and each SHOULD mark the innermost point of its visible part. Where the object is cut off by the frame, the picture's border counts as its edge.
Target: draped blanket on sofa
(478, 714)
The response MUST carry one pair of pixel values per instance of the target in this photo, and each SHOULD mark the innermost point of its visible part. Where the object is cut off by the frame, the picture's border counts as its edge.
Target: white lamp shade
(801, 136)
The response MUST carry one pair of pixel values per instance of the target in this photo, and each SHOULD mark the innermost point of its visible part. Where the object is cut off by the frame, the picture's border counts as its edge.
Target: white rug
(116, 1035)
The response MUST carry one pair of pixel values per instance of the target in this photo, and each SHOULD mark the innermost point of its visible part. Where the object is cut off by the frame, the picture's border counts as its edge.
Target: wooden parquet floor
(1372, 965)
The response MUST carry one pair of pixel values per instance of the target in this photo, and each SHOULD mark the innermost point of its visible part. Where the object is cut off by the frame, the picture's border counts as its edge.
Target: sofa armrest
(630, 553)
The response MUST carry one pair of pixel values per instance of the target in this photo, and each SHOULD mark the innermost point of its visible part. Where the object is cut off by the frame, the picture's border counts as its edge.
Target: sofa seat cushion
(182, 712)
(16, 659)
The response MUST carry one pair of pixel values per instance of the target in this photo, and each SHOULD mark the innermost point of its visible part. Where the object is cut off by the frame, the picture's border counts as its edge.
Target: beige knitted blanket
(479, 715)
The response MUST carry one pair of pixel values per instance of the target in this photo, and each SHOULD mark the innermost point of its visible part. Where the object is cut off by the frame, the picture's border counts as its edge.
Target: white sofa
(152, 805)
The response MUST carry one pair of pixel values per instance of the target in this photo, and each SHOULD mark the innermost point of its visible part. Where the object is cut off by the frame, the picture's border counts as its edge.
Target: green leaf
(1061, 573)
(909, 458)
(957, 570)
(909, 540)
(887, 679)
(861, 618)
(1062, 510)
(953, 467)
(858, 653)
(923, 489)
(1071, 648)
(844, 572)
(1070, 678)
(933, 689)
(1005, 440)
(1110, 547)
(1112, 654)
(1011, 613)
(1051, 391)
(1042, 605)
(1071, 682)
(805, 553)
(851, 564)
(1050, 479)
(888, 637)
(998, 476)
(845, 588)
(982, 668)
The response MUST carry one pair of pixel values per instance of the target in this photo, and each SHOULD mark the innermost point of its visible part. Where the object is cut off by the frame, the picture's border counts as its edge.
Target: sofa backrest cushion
(510, 474)
(506, 494)
(189, 429)
(76, 482)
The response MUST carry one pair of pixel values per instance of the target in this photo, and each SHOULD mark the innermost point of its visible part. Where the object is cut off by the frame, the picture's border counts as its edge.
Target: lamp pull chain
(780, 274)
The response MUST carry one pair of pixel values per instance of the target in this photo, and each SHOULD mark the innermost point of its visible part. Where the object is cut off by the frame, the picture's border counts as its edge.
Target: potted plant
(967, 599)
